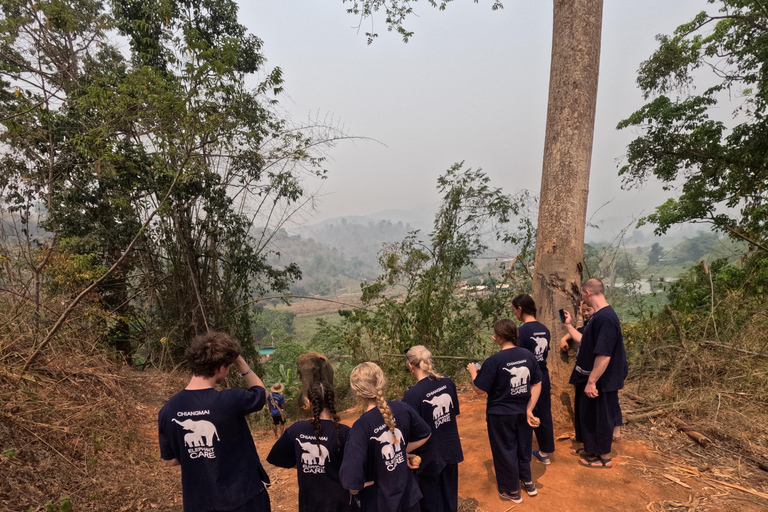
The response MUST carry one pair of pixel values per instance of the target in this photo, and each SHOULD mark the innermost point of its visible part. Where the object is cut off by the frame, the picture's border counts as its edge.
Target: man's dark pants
(594, 419)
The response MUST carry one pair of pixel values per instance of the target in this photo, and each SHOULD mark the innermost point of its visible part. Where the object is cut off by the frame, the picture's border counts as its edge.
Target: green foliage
(64, 505)
(722, 167)
(272, 326)
(692, 249)
(97, 144)
(417, 298)
(655, 255)
(282, 366)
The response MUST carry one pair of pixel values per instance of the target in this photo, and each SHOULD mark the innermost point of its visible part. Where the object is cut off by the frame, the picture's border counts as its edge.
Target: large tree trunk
(565, 177)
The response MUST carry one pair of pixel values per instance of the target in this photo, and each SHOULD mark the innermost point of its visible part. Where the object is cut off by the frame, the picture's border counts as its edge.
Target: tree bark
(562, 215)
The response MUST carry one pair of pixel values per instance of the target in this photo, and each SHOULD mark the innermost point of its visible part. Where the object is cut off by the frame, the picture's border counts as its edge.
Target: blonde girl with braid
(316, 448)
(375, 468)
(434, 397)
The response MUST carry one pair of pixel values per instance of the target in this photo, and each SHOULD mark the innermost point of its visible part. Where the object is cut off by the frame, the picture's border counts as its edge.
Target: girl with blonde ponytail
(376, 468)
(435, 399)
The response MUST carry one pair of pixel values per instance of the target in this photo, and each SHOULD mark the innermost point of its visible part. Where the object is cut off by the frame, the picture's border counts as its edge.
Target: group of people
(400, 455)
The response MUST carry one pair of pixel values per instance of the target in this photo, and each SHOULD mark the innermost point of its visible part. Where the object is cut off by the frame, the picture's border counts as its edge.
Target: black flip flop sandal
(590, 462)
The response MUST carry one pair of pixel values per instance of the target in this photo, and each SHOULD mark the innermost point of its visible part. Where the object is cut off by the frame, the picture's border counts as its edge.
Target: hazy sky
(471, 85)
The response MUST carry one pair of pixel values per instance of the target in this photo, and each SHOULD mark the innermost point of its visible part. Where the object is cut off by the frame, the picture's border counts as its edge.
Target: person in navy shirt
(512, 379)
(376, 466)
(276, 403)
(205, 431)
(434, 397)
(534, 336)
(316, 448)
(601, 367)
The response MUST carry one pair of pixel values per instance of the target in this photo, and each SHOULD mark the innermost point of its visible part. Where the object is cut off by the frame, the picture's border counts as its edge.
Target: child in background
(512, 379)
(375, 466)
(434, 398)
(316, 448)
(534, 336)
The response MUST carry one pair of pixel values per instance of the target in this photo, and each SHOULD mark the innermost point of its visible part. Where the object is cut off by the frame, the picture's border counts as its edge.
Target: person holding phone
(601, 367)
(574, 333)
(512, 379)
(534, 336)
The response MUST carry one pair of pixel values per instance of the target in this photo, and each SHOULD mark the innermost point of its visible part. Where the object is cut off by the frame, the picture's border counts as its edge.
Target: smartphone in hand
(561, 312)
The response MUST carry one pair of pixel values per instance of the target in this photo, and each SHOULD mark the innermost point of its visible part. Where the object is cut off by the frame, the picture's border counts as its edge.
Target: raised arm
(251, 379)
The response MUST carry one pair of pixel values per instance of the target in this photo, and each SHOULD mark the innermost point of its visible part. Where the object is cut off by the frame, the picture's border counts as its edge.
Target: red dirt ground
(639, 481)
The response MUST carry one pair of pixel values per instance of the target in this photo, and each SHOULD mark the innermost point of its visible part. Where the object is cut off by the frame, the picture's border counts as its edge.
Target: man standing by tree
(204, 430)
(601, 367)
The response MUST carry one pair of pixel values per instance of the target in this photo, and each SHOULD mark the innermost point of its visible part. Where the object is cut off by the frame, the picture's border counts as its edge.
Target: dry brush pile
(73, 435)
(704, 361)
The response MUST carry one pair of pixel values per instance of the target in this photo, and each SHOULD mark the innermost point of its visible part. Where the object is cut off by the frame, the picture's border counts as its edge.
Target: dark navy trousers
(441, 491)
(511, 441)
(594, 419)
(545, 432)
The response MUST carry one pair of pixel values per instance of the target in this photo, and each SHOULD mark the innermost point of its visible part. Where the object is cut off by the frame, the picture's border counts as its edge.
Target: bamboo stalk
(696, 436)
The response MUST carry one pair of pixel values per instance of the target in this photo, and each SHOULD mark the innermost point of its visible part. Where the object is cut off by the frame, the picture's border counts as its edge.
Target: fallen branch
(632, 396)
(676, 480)
(728, 347)
(696, 436)
(643, 417)
(435, 357)
(738, 487)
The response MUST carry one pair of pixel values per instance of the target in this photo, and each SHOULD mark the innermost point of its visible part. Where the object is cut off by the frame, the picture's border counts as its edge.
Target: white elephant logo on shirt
(389, 447)
(313, 453)
(193, 439)
(201, 429)
(520, 376)
(541, 345)
(441, 403)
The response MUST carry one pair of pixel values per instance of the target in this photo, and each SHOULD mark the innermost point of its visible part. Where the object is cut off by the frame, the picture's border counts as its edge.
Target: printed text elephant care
(201, 431)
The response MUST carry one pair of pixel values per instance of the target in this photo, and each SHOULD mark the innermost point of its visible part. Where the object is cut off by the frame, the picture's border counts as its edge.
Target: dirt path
(639, 481)
(636, 483)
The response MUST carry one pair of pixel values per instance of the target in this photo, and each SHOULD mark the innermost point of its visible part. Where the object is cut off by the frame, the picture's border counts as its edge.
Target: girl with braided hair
(316, 448)
(375, 466)
(434, 397)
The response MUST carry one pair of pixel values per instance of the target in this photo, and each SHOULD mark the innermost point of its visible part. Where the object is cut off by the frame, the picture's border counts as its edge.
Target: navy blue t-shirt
(437, 403)
(534, 336)
(507, 377)
(602, 336)
(274, 400)
(206, 431)
(370, 456)
(317, 466)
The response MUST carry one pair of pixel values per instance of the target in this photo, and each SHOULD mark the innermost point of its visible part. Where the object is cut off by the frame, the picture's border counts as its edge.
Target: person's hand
(414, 461)
(564, 346)
(532, 420)
(472, 369)
(567, 316)
(591, 390)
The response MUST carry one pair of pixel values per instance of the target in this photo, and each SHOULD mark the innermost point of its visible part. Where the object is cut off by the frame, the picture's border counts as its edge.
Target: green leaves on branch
(719, 168)
(419, 297)
(93, 139)
(396, 12)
